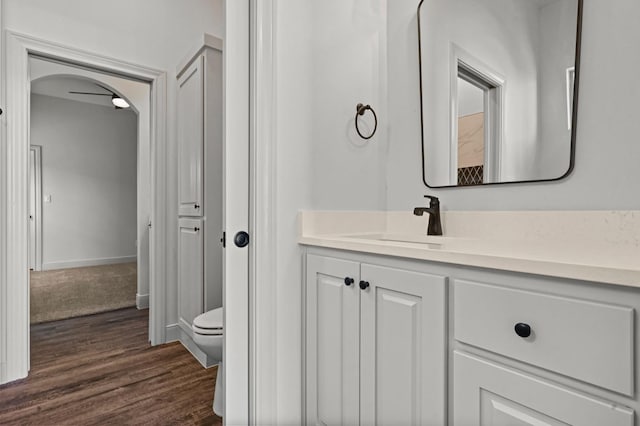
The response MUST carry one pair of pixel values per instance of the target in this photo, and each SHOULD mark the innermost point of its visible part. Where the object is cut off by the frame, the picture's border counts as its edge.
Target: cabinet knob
(348, 281)
(196, 229)
(364, 285)
(523, 330)
(196, 206)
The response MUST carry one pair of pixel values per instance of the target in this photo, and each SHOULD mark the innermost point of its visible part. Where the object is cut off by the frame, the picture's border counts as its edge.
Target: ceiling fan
(116, 100)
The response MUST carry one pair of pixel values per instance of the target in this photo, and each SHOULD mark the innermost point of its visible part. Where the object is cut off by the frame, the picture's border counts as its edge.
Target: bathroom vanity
(530, 322)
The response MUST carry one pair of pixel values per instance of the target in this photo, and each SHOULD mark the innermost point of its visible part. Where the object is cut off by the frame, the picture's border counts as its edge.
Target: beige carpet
(67, 293)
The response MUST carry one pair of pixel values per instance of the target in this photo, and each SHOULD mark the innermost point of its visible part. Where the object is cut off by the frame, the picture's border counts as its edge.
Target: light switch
(47, 198)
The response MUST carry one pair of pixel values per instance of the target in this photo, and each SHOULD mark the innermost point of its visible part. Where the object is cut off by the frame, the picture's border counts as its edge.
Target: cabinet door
(191, 139)
(403, 347)
(190, 272)
(488, 394)
(333, 315)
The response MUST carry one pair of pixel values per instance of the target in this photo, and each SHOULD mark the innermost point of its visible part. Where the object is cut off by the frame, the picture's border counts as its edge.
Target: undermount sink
(407, 238)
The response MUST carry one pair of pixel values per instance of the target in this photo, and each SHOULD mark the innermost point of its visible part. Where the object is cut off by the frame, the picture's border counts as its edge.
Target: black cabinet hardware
(523, 330)
(348, 281)
(364, 285)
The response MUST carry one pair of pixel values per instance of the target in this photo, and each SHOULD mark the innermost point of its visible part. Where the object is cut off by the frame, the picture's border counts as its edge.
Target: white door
(190, 271)
(191, 139)
(332, 341)
(402, 347)
(32, 210)
(35, 208)
(488, 394)
(236, 211)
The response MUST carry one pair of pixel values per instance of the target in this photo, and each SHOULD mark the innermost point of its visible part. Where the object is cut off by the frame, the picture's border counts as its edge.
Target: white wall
(348, 66)
(89, 156)
(152, 33)
(470, 98)
(606, 174)
(330, 55)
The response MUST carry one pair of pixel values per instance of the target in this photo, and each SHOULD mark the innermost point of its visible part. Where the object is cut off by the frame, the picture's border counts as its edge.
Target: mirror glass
(498, 86)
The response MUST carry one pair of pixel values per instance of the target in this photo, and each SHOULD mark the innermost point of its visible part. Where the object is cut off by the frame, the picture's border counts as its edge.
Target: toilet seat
(208, 331)
(209, 323)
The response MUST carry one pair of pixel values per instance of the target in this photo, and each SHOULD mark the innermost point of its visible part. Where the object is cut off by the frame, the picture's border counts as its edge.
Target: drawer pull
(364, 285)
(523, 330)
(348, 281)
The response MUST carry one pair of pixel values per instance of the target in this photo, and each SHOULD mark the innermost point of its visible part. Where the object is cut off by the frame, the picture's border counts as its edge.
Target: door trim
(263, 387)
(14, 283)
(37, 263)
(236, 60)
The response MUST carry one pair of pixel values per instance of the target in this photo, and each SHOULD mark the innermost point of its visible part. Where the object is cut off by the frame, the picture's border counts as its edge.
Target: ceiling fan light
(119, 102)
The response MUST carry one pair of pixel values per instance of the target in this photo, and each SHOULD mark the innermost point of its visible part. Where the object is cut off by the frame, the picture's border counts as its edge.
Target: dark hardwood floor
(100, 369)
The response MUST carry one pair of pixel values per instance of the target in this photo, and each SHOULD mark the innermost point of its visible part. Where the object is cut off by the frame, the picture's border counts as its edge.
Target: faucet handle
(433, 201)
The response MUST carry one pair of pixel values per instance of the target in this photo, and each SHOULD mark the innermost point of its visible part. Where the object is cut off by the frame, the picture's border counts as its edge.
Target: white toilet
(208, 334)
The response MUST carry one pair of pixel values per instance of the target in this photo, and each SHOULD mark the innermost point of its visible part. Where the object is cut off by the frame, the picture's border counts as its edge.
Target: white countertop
(592, 246)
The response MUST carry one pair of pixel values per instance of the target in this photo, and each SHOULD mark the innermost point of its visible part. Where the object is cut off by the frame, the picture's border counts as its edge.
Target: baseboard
(142, 301)
(189, 344)
(49, 266)
(172, 333)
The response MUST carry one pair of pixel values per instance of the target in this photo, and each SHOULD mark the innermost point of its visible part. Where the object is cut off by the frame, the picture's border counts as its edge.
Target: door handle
(241, 239)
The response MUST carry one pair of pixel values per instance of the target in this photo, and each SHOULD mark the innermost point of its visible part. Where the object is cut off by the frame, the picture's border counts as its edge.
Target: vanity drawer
(591, 342)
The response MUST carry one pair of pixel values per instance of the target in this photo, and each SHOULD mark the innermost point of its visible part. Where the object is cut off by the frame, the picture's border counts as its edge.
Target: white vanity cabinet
(437, 344)
(574, 338)
(487, 393)
(375, 344)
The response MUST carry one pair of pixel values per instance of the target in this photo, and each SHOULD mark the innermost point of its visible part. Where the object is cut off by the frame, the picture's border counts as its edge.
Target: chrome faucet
(435, 226)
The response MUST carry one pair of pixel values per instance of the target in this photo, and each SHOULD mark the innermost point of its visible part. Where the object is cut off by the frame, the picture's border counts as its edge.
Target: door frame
(236, 260)
(14, 283)
(37, 208)
(263, 384)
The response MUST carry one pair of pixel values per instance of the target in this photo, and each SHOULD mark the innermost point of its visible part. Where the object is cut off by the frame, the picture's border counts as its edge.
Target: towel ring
(360, 110)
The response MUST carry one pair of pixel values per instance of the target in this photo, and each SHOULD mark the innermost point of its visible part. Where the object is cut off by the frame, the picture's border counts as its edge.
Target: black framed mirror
(498, 90)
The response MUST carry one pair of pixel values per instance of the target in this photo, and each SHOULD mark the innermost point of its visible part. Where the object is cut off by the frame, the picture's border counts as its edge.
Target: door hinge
(223, 240)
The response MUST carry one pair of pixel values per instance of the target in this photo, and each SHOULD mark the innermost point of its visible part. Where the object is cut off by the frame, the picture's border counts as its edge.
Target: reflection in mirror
(471, 132)
(498, 82)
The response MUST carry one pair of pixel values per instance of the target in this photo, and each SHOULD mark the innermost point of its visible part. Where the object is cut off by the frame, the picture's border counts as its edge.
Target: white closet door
(333, 315)
(190, 271)
(191, 139)
(403, 347)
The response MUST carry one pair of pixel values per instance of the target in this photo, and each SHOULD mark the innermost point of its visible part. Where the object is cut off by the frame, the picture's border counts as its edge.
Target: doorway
(95, 178)
(15, 339)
